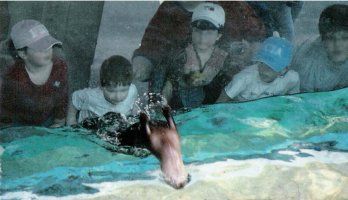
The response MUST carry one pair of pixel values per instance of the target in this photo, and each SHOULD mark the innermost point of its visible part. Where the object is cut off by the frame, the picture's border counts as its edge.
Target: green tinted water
(58, 161)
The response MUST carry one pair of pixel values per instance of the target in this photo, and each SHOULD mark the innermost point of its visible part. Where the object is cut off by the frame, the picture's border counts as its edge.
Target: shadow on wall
(121, 30)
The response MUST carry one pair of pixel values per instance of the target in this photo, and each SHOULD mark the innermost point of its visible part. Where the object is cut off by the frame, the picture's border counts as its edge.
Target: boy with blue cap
(267, 77)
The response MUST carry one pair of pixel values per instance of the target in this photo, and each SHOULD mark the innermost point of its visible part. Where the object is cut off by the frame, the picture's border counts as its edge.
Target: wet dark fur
(122, 134)
(136, 136)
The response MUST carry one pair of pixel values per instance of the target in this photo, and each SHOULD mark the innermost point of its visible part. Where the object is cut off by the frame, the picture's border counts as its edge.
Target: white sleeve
(134, 93)
(80, 99)
(236, 86)
(134, 96)
(293, 86)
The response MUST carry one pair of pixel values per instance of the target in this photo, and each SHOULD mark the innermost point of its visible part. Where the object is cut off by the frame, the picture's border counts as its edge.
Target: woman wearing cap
(182, 77)
(34, 90)
(268, 77)
(322, 63)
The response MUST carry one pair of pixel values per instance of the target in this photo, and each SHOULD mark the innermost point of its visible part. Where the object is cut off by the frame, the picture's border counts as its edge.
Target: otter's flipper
(167, 112)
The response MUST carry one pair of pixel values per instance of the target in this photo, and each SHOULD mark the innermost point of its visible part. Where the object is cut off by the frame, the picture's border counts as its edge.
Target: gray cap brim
(44, 43)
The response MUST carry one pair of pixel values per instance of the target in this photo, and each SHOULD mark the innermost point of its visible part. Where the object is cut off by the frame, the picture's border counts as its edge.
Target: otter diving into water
(143, 138)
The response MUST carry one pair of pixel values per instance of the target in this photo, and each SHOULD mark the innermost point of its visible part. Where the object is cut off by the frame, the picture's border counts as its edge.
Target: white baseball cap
(211, 12)
(31, 33)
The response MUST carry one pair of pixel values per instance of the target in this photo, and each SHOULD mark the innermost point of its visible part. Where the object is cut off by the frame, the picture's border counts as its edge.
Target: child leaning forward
(116, 93)
(269, 76)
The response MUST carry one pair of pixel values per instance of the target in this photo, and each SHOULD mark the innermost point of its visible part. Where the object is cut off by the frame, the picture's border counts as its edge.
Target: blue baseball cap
(275, 52)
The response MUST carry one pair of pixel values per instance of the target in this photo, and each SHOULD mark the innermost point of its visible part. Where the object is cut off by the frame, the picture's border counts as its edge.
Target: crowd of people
(192, 53)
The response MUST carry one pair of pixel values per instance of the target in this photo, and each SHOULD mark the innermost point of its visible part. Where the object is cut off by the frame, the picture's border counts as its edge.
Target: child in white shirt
(116, 94)
(268, 77)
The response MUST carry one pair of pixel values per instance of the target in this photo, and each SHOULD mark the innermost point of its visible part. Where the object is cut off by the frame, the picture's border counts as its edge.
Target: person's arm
(58, 123)
(294, 82)
(295, 89)
(214, 89)
(235, 87)
(142, 68)
(203, 78)
(133, 92)
(63, 96)
(71, 116)
(6, 117)
(223, 98)
(7, 100)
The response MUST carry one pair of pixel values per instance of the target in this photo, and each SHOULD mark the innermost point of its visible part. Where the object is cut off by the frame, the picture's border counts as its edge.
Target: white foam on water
(327, 156)
(19, 195)
(258, 122)
(205, 172)
(270, 126)
(338, 119)
(291, 153)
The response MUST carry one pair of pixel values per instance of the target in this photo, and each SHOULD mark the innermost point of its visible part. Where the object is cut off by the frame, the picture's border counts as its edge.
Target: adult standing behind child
(35, 89)
(116, 93)
(268, 77)
(188, 70)
(169, 30)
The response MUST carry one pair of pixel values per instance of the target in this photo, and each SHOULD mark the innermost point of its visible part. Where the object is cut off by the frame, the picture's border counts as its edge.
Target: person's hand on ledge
(58, 123)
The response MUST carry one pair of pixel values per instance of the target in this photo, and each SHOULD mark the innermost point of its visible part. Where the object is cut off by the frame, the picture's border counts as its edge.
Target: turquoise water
(58, 161)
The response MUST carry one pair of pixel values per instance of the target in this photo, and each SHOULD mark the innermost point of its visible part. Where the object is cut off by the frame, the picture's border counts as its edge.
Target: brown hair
(334, 18)
(116, 70)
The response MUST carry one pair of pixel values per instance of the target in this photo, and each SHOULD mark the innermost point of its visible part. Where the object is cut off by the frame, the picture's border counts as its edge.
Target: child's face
(204, 39)
(266, 73)
(336, 44)
(115, 93)
(37, 58)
